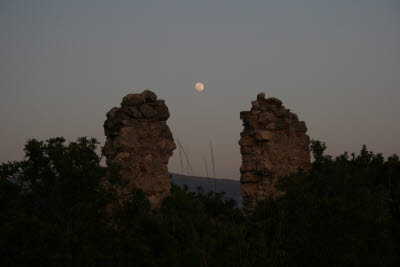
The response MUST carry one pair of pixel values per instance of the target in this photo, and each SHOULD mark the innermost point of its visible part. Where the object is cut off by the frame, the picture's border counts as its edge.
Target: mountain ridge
(230, 187)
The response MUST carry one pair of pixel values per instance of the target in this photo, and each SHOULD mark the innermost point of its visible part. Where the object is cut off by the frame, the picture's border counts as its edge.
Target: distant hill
(230, 187)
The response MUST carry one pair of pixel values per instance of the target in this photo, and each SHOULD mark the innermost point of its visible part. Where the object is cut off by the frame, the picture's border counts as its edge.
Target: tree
(52, 202)
(55, 210)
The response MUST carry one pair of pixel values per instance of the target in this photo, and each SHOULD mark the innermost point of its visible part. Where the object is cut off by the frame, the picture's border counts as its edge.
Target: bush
(54, 210)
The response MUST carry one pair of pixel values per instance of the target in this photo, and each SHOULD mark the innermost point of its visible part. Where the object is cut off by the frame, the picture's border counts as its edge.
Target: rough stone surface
(273, 144)
(139, 140)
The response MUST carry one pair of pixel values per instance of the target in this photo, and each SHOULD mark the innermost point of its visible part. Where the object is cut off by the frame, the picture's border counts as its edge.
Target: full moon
(199, 87)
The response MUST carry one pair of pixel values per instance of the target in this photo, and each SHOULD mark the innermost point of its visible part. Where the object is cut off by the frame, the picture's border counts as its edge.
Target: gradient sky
(336, 64)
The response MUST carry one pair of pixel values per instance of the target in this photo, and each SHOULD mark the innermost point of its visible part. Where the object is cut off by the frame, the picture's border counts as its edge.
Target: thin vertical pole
(187, 158)
(180, 156)
(208, 177)
(212, 158)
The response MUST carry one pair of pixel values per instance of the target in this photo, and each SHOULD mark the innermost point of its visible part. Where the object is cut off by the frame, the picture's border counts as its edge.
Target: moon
(199, 86)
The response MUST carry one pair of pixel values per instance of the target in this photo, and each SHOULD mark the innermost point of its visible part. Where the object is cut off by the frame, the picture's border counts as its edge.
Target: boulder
(132, 100)
(149, 96)
(264, 135)
(148, 111)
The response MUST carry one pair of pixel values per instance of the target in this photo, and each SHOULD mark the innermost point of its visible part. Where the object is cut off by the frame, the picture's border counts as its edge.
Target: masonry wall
(273, 144)
(140, 141)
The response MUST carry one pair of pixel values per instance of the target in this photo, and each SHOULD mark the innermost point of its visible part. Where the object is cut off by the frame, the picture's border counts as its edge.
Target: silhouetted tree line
(54, 211)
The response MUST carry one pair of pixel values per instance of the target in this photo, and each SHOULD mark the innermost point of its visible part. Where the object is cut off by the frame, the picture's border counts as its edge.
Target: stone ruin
(273, 144)
(140, 142)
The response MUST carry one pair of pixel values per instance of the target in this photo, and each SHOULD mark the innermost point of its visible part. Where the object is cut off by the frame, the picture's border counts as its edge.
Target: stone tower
(139, 140)
(273, 144)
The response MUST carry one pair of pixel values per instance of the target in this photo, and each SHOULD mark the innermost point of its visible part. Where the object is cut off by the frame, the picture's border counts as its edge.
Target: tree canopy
(54, 212)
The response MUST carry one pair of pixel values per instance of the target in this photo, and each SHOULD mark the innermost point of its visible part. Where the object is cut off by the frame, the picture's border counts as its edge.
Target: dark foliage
(54, 211)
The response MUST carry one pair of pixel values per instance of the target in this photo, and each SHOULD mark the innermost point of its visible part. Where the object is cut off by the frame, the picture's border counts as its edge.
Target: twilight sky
(336, 64)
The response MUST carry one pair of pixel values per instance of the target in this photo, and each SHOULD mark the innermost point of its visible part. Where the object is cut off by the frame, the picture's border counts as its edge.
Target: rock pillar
(273, 144)
(139, 140)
